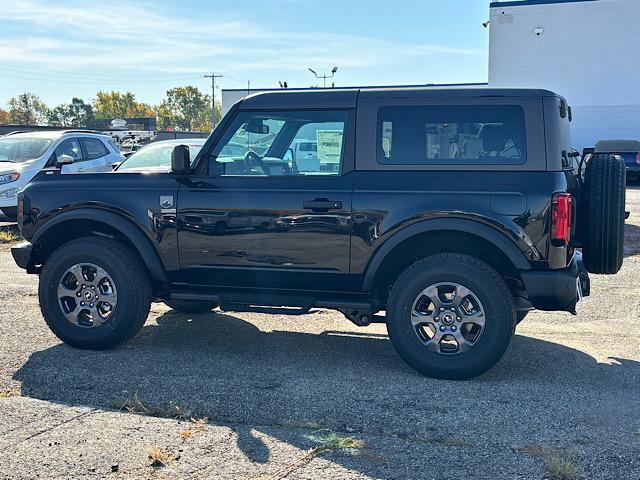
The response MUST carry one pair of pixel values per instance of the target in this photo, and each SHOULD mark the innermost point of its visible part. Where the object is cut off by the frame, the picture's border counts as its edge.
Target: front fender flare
(125, 226)
(500, 240)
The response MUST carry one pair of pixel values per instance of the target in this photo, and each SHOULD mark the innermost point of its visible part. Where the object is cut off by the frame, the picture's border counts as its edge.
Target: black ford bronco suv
(448, 214)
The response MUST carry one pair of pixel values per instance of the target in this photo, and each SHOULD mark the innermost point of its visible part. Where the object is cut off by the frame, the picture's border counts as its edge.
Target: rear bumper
(558, 289)
(22, 254)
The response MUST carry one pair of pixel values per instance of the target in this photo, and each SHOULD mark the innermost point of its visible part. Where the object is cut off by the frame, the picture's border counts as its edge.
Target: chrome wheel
(87, 295)
(448, 318)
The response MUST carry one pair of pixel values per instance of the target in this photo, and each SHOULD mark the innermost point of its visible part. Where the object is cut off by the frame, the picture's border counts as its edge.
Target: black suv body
(412, 202)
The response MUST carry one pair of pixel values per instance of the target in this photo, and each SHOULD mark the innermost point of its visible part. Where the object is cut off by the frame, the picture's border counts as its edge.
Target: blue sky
(61, 49)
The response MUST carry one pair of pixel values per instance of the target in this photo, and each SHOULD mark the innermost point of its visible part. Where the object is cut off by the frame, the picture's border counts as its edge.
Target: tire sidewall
(120, 322)
(490, 346)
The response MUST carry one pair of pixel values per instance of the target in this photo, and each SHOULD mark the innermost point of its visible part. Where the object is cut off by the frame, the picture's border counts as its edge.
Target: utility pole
(213, 77)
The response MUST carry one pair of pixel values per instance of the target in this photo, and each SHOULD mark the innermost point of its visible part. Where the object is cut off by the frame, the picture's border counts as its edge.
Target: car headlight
(9, 177)
(11, 193)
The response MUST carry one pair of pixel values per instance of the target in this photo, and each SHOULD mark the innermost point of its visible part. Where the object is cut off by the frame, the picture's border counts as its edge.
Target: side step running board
(239, 307)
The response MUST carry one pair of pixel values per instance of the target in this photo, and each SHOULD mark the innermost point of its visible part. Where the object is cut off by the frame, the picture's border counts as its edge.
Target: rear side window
(94, 148)
(458, 135)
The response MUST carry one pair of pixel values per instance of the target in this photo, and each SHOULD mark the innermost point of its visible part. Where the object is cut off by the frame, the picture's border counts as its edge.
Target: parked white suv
(24, 154)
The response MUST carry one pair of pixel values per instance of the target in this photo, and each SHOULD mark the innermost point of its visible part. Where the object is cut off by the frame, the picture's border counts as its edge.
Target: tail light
(561, 218)
(638, 159)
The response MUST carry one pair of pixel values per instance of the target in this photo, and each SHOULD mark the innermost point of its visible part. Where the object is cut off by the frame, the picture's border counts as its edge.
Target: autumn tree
(120, 105)
(74, 114)
(4, 117)
(27, 109)
(186, 108)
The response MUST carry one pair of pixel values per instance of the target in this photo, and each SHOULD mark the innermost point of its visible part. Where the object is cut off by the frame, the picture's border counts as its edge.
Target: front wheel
(94, 293)
(450, 316)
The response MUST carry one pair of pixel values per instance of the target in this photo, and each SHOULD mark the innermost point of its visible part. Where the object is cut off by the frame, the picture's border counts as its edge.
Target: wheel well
(446, 241)
(64, 232)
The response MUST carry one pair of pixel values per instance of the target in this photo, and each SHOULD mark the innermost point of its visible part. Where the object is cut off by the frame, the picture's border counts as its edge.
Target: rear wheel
(190, 306)
(450, 316)
(94, 293)
(602, 214)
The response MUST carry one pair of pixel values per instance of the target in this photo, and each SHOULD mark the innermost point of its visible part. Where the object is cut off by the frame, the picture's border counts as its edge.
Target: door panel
(257, 232)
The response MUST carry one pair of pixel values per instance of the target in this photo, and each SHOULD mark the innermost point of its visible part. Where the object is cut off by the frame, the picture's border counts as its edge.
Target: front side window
(70, 147)
(22, 149)
(291, 143)
(442, 135)
(94, 148)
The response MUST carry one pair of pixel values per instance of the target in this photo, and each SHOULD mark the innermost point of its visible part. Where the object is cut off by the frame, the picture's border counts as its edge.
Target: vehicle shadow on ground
(238, 376)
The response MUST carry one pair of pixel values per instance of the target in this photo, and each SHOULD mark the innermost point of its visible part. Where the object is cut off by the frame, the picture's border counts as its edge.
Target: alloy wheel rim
(448, 318)
(87, 295)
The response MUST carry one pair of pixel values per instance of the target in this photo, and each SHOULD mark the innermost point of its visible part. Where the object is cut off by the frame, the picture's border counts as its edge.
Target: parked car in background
(629, 150)
(156, 157)
(24, 154)
(128, 148)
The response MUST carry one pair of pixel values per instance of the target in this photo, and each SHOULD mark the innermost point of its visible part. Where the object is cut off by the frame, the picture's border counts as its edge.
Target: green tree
(74, 114)
(27, 109)
(185, 108)
(120, 105)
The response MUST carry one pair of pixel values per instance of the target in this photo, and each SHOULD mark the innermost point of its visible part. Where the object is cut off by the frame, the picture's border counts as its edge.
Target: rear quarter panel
(514, 204)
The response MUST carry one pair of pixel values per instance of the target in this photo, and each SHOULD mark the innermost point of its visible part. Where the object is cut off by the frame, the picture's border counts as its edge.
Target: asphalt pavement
(226, 395)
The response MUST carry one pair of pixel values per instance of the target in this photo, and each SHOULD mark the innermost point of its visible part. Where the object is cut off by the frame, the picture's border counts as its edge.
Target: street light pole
(324, 76)
(213, 77)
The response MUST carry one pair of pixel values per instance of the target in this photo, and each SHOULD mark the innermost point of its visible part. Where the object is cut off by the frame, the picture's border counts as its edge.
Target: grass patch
(10, 236)
(559, 463)
(159, 457)
(132, 403)
(11, 392)
(196, 427)
(329, 440)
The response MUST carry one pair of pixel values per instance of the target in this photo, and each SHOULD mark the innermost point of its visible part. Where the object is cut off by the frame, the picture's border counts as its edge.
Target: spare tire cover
(603, 214)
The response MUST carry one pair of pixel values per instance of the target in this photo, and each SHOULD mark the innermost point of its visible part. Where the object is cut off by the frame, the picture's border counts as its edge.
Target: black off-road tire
(484, 282)
(132, 284)
(190, 306)
(602, 214)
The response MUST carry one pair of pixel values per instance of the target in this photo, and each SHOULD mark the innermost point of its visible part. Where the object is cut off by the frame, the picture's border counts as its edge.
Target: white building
(586, 50)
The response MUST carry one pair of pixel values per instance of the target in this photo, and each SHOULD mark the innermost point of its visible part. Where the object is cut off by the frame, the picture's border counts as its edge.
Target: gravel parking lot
(283, 397)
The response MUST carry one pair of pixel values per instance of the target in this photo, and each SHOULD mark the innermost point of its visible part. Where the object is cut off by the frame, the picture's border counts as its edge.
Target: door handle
(322, 204)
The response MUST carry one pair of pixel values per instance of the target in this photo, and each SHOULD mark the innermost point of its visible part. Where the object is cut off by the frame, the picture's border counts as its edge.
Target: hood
(8, 167)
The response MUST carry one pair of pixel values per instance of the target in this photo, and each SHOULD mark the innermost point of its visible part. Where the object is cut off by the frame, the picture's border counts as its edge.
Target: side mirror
(180, 161)
(62, 160)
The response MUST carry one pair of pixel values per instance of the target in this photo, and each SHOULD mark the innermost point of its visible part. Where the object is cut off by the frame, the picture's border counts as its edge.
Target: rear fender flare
(500, 240)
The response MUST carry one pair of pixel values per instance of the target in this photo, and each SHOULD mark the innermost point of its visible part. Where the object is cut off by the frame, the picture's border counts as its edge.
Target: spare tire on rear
(602, 214)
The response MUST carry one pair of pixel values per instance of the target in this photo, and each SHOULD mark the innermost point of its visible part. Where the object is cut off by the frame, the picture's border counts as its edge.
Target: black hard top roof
(348, 97)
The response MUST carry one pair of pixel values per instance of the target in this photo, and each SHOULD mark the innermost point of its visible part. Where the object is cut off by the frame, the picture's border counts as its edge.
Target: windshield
(154, 156)
(21, 149)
